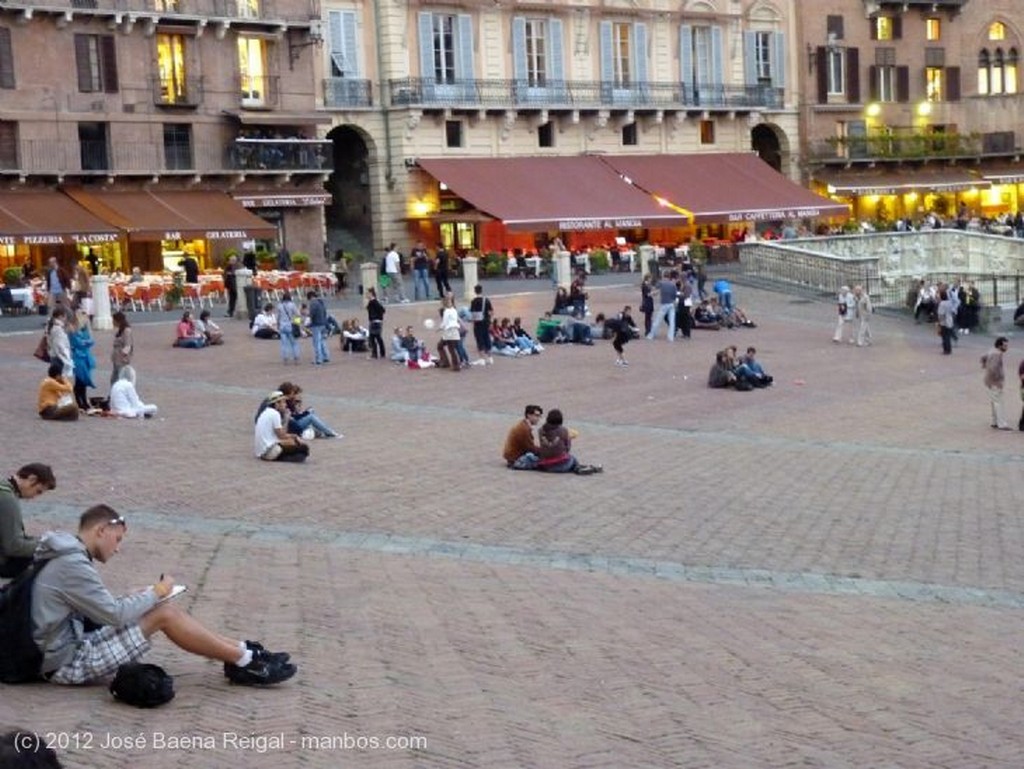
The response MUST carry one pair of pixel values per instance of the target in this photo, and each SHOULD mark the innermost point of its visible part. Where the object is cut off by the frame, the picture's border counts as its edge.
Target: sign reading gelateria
(284, 201)
(576, 225)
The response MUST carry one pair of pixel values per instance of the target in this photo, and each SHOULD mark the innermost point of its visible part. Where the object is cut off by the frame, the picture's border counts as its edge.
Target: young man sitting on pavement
(751, 362)
(704, 317)
(521, 451)
(16, 547)
(69, 592)
(272, 441)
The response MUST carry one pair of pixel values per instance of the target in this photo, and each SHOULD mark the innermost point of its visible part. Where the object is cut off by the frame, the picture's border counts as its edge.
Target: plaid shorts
(101, 652)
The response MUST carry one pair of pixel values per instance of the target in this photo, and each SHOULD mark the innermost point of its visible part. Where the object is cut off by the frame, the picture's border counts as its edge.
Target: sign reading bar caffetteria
(284, 201)
(773, 214)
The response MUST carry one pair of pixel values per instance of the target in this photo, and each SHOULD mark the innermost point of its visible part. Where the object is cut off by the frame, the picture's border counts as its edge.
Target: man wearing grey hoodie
(69, 593)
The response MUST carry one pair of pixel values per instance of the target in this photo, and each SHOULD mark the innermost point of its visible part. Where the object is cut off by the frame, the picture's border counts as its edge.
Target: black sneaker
(260, 672)
(258, 650)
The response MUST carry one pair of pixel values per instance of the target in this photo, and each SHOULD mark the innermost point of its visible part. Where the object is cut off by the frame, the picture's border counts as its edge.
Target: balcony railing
(68, 158)
(177, 92)
(257, 91)
(911, 144)
(570, 94)
(346, 92)
(280, 155)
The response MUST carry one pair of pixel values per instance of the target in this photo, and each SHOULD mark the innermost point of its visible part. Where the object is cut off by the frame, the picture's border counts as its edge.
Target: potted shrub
(12, 277)
(266, 261)
(300, 261)
(174, 293)
(599, 260)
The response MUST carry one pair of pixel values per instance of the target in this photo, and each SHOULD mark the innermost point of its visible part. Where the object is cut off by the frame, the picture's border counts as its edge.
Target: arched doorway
(350, 215)
(765, 142)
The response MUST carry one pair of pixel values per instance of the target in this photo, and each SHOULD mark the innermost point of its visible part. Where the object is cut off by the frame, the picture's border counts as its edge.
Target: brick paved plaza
(824, 574)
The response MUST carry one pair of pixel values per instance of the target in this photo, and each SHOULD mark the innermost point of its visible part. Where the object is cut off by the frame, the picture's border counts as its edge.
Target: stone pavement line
(622, 566)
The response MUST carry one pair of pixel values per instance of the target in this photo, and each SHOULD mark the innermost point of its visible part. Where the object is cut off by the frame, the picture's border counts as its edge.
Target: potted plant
(599, 260)
(174, 293)
(300, 261)
(266, 261)
(12, 277)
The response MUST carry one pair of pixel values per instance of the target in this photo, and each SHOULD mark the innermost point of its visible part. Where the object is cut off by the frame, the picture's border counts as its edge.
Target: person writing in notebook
(69, 591)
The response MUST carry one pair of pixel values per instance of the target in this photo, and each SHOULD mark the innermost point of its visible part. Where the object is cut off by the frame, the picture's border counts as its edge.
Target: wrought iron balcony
(280, 155)
(343, 92)
(580, 94)
(177, 92)
(910, 144)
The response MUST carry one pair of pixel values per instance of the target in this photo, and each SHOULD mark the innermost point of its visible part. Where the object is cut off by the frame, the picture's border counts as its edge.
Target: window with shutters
(763, 56)
(444, 48)
(622, 53)
(6, 59)
(932, 29)
(254, 82)
(343, 36)
(96, 62)
(536, 53)
(885, 82)
(8, 144)
(933, 82)
(884, 28)
(170, 60)
(701, 52)
(835, 63)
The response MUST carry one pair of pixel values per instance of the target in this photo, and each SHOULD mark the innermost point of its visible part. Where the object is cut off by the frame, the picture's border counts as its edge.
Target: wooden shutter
(519, 49)
(717, 56)
(903, 84)
(607, 54)
(873, 28)
(640, 52)
(6, 59)
(952, 75)
(82, 64)
(686, 58)
(108, 63)
(750, 58)
(779, 59)
(556, 55)
(464, 54)
(897, 27)
(853, 75)
(821, 64)
(426, 35)
(8, 144)
(873, 82)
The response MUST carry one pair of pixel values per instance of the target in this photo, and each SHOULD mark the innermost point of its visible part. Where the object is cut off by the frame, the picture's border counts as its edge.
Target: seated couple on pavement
(264, 325)
(551, 450)
(85, 632)
(187, 335)
(741, 373)
(296, 419)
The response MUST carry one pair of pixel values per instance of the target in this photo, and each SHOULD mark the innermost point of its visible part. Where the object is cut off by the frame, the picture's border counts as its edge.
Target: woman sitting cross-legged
(187, 334)
(56, 398)
(555, 443)
(124, 398)
(210, 330)
(353, 336)
(264, 325)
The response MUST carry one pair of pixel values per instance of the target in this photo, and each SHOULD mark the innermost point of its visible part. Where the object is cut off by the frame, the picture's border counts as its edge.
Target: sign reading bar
(576, 225)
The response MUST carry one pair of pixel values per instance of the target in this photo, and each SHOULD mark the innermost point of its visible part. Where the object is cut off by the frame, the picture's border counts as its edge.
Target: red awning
(174, 215)
(45, 217)
(723, 187)
(550, 193)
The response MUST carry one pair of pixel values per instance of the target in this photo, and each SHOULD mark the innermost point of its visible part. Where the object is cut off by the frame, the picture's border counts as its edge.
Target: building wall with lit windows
(908, 108)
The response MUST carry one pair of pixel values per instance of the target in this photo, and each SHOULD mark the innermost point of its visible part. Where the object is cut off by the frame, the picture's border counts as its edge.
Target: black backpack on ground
(21, 660)
(142, 685)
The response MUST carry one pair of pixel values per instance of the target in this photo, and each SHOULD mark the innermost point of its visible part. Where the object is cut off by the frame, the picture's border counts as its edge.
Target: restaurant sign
(209, 235)
(55, 239)
(772, 214)
(577, 225)
(284, 201)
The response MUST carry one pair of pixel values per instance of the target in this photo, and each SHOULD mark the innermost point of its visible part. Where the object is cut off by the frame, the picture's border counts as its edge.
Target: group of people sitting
(740, 372)
(550, 450)
(284, 425)
(194, 333)
(57, 403)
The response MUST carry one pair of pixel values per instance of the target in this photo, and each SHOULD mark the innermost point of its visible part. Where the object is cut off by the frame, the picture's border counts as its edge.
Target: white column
(470, 277)
(243, 279)
(368, 277)
(101, 303)
(563, 269)
(645, 254)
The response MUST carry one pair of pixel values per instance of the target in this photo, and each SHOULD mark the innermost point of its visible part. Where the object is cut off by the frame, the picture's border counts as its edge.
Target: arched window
(997, 31)
(996, 74)
(1010, 72)
(984, 62)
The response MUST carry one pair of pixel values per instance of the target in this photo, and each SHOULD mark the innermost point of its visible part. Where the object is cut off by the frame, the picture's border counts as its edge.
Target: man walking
(441, 271)
(421, 271)
(847, 307)
(992, 362)
(231, 284)
(16, 547)
(318, 328)
(862, 303)
(668, 293)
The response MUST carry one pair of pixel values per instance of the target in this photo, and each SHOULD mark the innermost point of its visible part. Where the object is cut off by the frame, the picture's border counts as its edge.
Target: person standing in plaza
(57, 341)
(81, 342)
(863, 314)
(992, 363)
(846, 307)
(288, 326)
(442, 266)
(231, 284)
(451, 331)
(668, 292)
(946, 322)
(16, 547)
(481, 311)
(284, 259)
(318, 327)
(58, 284)
(393, 271)
(375, 315)
(646, 303)
(420, 270)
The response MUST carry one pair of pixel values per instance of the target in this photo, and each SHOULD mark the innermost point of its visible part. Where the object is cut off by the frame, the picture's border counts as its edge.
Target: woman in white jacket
(125, 401)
